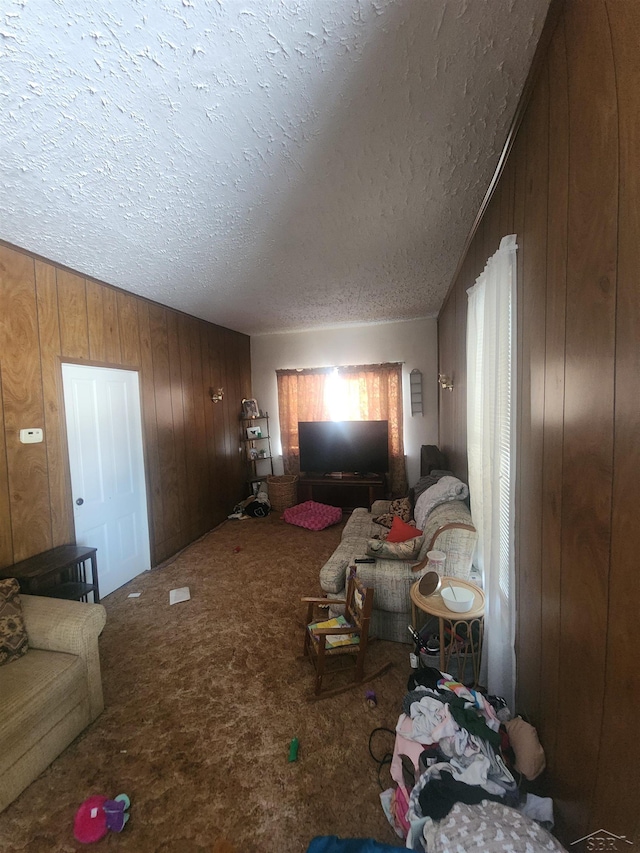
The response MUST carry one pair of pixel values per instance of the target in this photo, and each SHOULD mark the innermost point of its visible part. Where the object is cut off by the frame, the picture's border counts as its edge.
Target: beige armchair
(48, 696)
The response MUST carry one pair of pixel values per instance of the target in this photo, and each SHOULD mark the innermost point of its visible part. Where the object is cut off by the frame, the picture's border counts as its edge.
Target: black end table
(58, 573)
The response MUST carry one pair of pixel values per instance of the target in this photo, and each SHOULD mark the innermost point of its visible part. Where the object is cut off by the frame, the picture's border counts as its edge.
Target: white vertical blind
(491, 448)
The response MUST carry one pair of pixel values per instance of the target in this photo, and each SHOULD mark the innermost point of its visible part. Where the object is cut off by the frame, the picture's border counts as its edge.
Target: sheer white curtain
(491, 453)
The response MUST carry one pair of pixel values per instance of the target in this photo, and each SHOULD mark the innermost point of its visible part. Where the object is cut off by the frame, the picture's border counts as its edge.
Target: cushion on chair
(312, 515)
(14, 640)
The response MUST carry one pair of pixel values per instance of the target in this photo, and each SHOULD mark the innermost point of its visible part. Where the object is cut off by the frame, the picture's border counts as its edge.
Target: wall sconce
(445, 382)
(216, 395)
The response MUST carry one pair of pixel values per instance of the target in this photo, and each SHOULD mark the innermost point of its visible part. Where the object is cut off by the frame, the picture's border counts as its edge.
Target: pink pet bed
(312, 515)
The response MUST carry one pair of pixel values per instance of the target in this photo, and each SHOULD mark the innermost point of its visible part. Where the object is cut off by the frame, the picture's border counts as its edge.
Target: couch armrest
(380, 507)
(73, 627)
(333, 575)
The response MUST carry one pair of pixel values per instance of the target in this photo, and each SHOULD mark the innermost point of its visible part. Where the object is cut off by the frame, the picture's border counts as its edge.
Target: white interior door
(104, 431)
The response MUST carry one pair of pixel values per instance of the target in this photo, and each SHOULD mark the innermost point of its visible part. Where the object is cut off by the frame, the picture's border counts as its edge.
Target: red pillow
(401, 531)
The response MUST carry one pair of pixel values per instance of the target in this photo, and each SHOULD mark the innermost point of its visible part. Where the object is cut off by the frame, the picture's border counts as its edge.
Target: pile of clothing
(255, 506)
(456, 747)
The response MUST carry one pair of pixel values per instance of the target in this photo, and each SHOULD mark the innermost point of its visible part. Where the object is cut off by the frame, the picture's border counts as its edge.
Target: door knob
(80, 501)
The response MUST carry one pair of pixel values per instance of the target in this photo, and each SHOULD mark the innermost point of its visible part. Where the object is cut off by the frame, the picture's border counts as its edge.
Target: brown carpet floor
(202, 700)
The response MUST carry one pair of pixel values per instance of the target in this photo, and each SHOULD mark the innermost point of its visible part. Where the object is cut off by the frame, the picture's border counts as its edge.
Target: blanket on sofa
(446, 489)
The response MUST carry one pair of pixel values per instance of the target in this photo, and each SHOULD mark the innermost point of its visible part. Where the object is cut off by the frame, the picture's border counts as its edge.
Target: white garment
(431, 720)
(538, 808)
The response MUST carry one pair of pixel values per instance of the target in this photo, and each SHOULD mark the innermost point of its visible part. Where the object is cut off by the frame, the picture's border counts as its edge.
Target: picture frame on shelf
(253, 454)
(250, 408)
(254, 432)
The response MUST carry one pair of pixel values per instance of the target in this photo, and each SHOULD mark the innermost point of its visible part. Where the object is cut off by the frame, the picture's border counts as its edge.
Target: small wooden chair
(324, 643)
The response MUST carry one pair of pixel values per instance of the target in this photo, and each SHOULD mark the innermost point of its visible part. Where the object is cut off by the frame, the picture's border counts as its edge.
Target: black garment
(427, 676)
(258, 509)
(439, 796)
(431, 754)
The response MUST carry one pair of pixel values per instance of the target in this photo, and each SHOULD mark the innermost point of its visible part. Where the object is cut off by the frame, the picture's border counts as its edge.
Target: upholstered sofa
(51, 693)
(448, 528)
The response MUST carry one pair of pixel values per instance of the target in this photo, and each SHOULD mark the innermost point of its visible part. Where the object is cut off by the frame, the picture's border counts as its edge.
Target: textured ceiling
(264, 165)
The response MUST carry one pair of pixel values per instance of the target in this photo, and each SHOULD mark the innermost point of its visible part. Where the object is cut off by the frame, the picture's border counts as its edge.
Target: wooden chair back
(358, 606)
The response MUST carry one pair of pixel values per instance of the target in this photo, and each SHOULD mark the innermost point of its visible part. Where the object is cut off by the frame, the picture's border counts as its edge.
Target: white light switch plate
(30, 436)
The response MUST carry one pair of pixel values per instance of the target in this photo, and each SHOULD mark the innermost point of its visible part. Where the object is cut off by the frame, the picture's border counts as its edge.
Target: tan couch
(448, 528)
(48, 696)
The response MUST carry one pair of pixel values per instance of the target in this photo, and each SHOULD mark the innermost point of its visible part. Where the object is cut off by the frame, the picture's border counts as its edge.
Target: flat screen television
(353, 447)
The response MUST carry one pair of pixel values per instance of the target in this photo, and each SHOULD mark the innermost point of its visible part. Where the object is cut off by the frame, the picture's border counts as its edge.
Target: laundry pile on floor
(459, 759)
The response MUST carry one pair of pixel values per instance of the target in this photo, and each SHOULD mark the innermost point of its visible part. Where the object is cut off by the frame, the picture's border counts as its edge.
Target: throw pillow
(408, 550)
(400, 507)
(401, 531)
(13, 633)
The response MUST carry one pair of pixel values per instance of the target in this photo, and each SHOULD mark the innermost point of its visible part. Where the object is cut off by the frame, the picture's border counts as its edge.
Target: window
(358, 393)
(491, 448)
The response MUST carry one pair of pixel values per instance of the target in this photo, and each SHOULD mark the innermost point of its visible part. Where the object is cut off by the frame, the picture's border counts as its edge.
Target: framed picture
(254, 432)
(250, 408)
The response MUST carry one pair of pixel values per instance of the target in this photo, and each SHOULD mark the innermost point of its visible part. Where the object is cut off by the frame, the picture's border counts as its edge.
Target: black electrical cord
(386, 758)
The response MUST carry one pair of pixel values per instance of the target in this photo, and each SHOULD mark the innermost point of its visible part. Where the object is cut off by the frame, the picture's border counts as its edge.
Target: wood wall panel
(49, 314)
(446, 366)
(72, 310)
(6, 540)
(222, 437)
(23, 406)
(152, 455)
(95, 321)
(232, 359)
(200, 430)
(177, 413)
(459, 460)
(127, 307)
(188, 397)
(209, 367)
(571, 187)
(111, 323)
(588, 406)
(552, 463)
(164, 421)
(531, 392)
(614, 804)
(62, 529)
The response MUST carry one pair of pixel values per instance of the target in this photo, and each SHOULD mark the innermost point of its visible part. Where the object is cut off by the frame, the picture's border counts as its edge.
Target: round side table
(471, 624)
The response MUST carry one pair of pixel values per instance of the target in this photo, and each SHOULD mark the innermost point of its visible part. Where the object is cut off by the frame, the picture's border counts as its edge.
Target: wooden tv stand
(348, 491)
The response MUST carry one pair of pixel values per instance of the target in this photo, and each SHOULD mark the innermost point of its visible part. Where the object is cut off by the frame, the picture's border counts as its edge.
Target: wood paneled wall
(194, 469)
(570, 190)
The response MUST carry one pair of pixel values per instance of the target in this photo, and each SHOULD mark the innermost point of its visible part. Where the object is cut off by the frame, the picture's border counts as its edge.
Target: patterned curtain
(368, 392)
(301, 397)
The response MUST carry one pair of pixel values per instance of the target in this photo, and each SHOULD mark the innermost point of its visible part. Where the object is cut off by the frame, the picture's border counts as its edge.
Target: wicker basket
(283, 491)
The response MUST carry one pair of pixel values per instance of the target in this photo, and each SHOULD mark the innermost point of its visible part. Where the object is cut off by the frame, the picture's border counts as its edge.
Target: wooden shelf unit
(260, 467)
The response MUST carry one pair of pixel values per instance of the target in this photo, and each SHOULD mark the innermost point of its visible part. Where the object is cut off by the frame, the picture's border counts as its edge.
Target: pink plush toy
(97, 815)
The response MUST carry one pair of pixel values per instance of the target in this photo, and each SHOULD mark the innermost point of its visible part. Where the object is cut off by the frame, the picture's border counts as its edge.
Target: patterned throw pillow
(408, 550)
(13, 634)
(401, 507)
